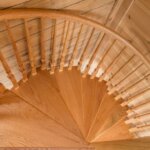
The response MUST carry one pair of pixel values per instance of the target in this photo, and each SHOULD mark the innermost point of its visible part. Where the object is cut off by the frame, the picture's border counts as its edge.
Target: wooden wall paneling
(47, 99)
(134, 22)
(25, 126)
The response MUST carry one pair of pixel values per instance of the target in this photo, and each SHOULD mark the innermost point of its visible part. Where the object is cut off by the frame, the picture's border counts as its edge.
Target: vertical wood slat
(62, 40)
(138, 129)
(115, 87)
(130, 87)
(140, 109)
(85, 50)
(16, 52)
(142, 119)
(100, 64)
(75, 50)
(109, 68)
(87, 68)
(126, 63)
(8, 71)
(30, 50)
(135, 97)
(64, 51)
(53, 40)
(135, 83)
(43, 50)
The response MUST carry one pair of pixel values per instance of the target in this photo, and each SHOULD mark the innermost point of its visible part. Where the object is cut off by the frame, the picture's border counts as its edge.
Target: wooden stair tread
(23, 125)
(42, 92)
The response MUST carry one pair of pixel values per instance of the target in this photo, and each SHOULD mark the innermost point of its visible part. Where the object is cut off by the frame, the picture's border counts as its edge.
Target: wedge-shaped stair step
(108, 114)
(70, 88)
(43, 93)
(22, 125)
(92, 92)
(119, 131)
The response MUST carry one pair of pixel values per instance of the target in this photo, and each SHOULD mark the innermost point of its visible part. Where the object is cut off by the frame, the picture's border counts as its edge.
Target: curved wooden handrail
(53, 14)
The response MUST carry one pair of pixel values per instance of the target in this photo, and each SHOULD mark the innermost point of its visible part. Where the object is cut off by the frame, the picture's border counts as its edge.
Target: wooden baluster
(30, 50)
(135, 97)
(16, 52)
(62, 38)
(109, 68)
(142, 119)
(126, 63)
(64, 51)
(43, 51)
(53, 39)
(130, 87)
(138, 129)
(85, 50)
(86, 70)
(115, 87)
(8, 71)
(143, 108)
(75, 50)
(100, 64)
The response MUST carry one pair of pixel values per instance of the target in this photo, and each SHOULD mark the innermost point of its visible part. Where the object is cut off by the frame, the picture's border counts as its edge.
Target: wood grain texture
(108, 114)
(93, 93)
(22, 125)
(71, 93)
(43, 93)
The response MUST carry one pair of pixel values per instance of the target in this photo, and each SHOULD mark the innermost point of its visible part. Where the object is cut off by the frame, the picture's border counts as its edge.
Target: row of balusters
(138, 114)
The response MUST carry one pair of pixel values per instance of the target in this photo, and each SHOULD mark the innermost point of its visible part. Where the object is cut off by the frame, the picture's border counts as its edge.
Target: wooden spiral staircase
(65, 92)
